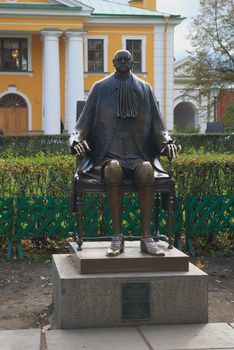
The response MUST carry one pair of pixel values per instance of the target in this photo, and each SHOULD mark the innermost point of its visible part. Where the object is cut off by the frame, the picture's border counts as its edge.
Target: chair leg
(169, 216)
(79, 238)
(156, 216)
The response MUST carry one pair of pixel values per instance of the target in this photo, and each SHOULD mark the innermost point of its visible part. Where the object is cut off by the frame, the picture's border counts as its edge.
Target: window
(95, 55)
(135, 47)
(12, 100)
(96, 49)
(13, 54)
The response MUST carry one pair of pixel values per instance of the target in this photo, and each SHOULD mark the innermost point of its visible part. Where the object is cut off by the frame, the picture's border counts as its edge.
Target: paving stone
(190, 337)
(95, 339)
(22, 339)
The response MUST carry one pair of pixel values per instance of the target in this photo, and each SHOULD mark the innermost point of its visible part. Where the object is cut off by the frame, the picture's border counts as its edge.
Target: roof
(95, 8)
(38, 6)
(113, 8)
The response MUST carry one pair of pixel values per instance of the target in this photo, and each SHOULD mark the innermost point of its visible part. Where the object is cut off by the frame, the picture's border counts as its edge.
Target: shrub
(207, 143)
(29, 146)
(41, 175)
(32, 145)
(189, 129)
(52, 175)
(197, 174)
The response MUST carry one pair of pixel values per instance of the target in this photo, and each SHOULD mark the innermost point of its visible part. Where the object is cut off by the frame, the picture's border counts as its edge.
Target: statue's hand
(81, 148)
(77, 146)
(171, 149)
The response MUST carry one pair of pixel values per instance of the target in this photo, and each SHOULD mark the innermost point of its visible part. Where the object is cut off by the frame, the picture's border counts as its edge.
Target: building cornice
(43, 9)
(129, 20)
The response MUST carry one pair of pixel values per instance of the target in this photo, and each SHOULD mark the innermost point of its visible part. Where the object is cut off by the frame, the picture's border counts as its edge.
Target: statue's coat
(98, 122)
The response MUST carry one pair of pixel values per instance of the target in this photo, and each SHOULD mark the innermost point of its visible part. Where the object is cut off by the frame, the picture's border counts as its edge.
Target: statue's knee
(144, 173)
(113, 172)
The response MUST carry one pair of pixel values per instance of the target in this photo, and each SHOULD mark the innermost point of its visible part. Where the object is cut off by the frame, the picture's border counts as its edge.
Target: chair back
(79, 108)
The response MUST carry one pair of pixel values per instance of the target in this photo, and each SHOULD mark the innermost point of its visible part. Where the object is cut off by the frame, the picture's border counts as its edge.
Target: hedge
(58, 144)
(41, 175)
(220, 143)
(204, 174)
(32, 145)
(52, 175)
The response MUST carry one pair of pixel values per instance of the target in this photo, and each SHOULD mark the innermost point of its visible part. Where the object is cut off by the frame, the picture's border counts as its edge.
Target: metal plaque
(135, 301)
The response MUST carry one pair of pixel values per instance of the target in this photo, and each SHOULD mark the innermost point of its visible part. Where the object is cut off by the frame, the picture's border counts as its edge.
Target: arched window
(12, 100)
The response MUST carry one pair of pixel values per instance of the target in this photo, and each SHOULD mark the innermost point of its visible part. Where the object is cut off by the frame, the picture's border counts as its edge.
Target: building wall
(158, 72)
(28, 83)
(114, 36)
(224, 100)
(204, 105)
(31, 83)
(200, 104)
(34, 85)
(19, 24)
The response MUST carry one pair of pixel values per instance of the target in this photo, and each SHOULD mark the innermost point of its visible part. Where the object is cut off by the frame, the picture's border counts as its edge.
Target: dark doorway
(184, 115)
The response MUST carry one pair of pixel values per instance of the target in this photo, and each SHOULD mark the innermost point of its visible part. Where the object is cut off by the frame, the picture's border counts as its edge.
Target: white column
(74, 89)
(159, 64)
(170, 77)
(164, 64)
(51, 82)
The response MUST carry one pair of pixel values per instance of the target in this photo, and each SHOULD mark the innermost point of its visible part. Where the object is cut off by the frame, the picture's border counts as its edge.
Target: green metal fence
(208, 216)
(36, 217)
(97, 217)
(6, 217)
(7, 222)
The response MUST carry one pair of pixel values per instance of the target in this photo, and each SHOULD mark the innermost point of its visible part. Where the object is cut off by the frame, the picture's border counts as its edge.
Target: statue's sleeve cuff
(75, 138)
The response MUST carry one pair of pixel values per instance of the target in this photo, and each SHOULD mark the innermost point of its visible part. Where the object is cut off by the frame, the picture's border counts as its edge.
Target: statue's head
(123, 61)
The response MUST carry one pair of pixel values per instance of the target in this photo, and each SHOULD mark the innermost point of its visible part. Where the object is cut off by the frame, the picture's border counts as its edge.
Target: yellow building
(52, 51)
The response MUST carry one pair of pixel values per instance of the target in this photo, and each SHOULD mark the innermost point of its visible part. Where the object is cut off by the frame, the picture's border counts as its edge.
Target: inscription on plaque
(135, 301)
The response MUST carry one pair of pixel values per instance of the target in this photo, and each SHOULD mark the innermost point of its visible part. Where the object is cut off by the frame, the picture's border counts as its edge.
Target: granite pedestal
(166, 293)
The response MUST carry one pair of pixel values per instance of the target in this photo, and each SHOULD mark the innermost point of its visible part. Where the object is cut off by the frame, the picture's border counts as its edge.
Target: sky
(185, 8)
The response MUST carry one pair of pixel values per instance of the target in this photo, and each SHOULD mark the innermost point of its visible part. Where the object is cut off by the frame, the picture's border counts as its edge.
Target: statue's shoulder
(140, 85)
(140, 82)
(104, 82)
(105, 86)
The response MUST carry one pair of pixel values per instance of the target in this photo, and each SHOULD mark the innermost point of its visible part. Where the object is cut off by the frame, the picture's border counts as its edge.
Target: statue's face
(123, 61)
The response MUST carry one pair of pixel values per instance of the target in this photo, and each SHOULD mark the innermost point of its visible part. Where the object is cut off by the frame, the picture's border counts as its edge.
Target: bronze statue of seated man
(121, 136)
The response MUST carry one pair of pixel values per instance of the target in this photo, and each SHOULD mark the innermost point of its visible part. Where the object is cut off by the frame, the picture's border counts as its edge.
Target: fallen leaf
(200, 264)
(46, 328)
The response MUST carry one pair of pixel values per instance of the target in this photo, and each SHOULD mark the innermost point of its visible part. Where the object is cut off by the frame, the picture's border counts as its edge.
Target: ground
(26, 291)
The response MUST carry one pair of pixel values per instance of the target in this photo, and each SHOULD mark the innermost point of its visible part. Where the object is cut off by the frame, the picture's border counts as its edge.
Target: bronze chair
(162, 187)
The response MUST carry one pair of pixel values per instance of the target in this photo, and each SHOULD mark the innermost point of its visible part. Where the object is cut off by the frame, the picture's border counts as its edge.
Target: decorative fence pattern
(6, 217)
(35, 217)
(97, 217)
(39, 216)
(208, 216)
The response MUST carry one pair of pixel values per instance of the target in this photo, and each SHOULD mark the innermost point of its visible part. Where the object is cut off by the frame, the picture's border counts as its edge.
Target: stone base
(127, 299)
(93, 259)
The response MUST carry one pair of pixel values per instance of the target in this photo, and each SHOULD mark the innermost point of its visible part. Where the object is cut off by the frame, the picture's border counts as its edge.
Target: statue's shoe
(116, 247)
(148, 246)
